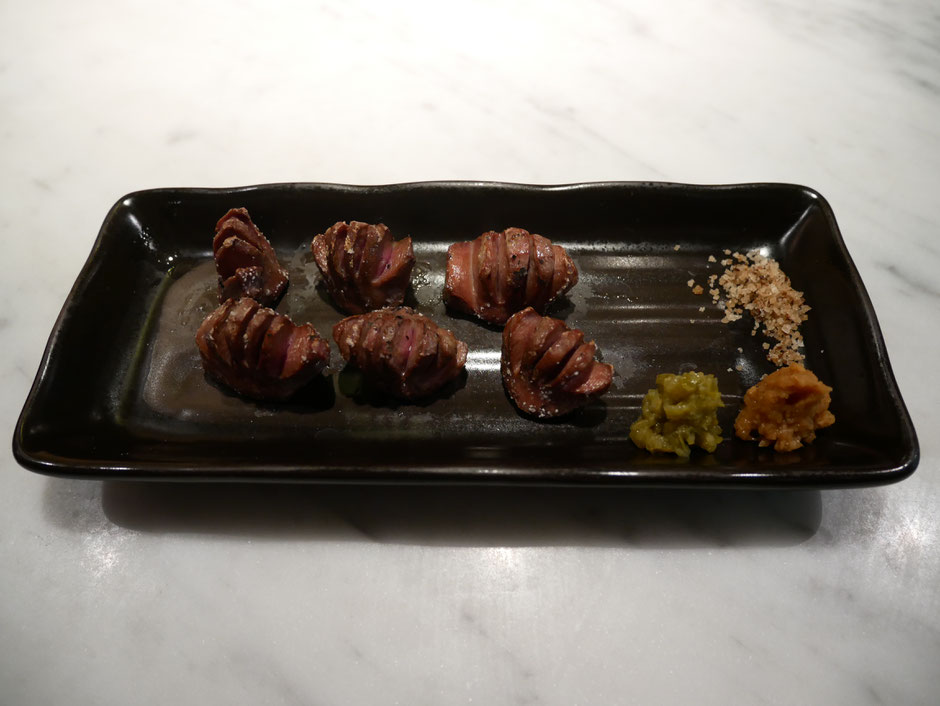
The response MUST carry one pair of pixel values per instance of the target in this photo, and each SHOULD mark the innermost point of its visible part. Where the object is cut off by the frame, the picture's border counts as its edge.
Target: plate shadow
(462, 516)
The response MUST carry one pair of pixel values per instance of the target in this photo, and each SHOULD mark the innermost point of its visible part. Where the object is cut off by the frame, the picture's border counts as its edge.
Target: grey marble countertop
(120, 593)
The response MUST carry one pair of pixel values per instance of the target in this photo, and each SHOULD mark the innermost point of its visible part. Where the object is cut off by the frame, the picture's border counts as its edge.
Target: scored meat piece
(548, 370)
(259, 353)
(246, 262)
(499, 274)
(362, 266)
(403, 352)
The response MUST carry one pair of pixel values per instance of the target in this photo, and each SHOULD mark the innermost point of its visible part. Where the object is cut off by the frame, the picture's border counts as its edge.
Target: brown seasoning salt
(755, 284)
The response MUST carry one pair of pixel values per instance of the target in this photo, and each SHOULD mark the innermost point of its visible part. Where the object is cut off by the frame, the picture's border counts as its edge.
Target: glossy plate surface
(120, 392)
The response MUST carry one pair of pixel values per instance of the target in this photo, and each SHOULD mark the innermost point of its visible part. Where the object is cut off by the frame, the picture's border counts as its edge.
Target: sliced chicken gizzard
(403, 352)
(363, 267)
(245, 261)
(259, 353)
(499, 274)
(547, 368)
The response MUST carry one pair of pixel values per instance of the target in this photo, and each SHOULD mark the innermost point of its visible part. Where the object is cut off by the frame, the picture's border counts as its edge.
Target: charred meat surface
(246, 262)
(362, 266)
(259, 353)
(548, 369)
(403, 352)
(499, 274)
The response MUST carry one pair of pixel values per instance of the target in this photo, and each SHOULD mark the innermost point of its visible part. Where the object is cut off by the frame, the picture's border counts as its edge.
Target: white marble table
(119, 594)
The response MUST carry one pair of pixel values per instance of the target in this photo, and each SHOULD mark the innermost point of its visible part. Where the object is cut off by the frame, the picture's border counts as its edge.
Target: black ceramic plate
(120, 392)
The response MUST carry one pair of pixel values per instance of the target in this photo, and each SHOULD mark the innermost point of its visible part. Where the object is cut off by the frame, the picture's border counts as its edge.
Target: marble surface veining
(118, 593)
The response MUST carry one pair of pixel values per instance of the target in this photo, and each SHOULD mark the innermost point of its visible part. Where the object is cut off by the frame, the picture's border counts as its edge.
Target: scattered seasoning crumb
(766, 346)
(701, 308)
(726, 261)
(726, 251)
(697, 289)
(691, 282)
(740, 350)
(711, 258)
(739, 367)
(729, 370)
(691, 321)
(757, 285)
(676, 247)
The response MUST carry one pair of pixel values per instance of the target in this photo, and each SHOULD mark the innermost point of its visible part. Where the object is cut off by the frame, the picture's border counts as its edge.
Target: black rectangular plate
(120, 392)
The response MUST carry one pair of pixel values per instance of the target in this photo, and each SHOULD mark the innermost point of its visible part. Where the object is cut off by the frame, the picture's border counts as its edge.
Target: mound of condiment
(755, 284)
(785, 409)
(679, 412)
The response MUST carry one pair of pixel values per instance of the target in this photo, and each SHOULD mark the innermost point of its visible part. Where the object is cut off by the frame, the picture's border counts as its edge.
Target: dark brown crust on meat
(245, 261)
(259, 353)
(548, 369)
(363, 267)
(499, 274)
(403, 352)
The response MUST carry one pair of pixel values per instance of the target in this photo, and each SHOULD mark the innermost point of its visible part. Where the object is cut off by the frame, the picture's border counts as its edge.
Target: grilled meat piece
(362, 266)
(499, 274)
(548, 370)
(403, 352)
(246, 262)
(259, 353)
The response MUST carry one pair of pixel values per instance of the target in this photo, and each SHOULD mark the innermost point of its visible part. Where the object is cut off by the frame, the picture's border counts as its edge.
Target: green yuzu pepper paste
(679, 412)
